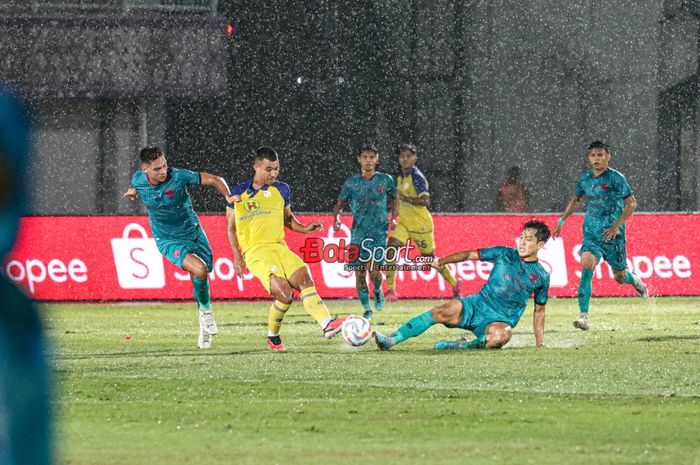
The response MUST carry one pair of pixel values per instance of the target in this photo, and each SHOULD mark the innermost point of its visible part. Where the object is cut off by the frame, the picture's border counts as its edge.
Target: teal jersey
(605, 201)
(368, 201)
(511, 283)
(168, 203)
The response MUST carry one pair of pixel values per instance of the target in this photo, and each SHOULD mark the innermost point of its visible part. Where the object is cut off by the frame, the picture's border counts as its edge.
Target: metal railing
(124, 6)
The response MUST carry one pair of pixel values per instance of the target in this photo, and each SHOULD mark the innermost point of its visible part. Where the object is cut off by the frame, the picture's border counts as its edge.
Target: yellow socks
(445, 273)
(315, 306)
(277, 312)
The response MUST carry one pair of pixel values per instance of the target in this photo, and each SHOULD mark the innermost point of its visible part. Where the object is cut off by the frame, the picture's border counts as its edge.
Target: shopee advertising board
(115, 258)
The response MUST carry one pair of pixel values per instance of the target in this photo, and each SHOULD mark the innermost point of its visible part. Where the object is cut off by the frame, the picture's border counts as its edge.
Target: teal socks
(629, 278)
(584, 290)
(363, 294)
(201, 291)
(414, 327)
(377, 284)
(478, 343)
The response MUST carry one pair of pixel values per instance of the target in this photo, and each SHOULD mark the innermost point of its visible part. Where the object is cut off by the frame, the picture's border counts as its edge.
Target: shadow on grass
(157, 353)
(669, 338)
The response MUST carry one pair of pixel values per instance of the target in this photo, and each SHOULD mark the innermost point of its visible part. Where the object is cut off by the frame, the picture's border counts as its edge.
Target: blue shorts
(476, 317)
(177, 249)
(614, 251)
(376, 241)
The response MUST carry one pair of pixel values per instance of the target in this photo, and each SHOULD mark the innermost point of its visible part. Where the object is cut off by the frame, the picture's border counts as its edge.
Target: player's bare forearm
(131, 193)
(538, 325)
(218, 183)
(571, 207)
(231, 233)
(339, 205)
(422, 201)
(458, 257)
(291, 222)
(338, 208)
(629, 207)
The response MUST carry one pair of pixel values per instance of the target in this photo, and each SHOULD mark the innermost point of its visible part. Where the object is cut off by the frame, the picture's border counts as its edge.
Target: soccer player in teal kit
(176, 229)
(610, 203)
(368, 194)
(496, 309)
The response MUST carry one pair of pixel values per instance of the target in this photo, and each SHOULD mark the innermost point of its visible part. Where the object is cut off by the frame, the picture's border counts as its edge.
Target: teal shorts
(476, 317)
(177, 249)
(376, 240)
(614, 251)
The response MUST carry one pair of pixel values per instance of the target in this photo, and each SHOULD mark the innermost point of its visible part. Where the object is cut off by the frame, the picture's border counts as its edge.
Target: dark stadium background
(479, 86)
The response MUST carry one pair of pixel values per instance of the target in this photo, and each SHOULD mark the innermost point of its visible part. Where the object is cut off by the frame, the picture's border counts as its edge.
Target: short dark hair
(265, 153)
(368, 148)
(542, 230)
(407, 148)
(150, 153)
(597, 144)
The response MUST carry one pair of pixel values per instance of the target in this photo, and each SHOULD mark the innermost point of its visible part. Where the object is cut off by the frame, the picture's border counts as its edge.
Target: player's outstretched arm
(538, 325)
(292, 223)
(570, 209)
(238, 260)
(394, 210)
(456, 257)
(131, 194)
(339, 205)
(422, 200)
(220, 185)
(614, 230)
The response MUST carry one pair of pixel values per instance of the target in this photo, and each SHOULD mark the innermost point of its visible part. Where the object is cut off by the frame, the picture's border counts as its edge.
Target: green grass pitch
(132, 388)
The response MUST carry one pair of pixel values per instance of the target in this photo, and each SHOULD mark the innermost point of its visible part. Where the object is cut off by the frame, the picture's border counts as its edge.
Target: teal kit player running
(176, 229)
(610, 202)
(498, 306)
(370, 195)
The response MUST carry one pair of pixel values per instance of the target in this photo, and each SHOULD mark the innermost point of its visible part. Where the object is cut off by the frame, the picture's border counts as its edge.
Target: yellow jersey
(416, 218)
(260, 213)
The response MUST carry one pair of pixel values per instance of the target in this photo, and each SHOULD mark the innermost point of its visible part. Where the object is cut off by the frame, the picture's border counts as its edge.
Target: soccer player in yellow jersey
(256, 234)
(415, 221)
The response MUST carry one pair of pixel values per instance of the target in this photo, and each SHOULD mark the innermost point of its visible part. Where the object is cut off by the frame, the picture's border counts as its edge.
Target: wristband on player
(230, 205)
(560, 222)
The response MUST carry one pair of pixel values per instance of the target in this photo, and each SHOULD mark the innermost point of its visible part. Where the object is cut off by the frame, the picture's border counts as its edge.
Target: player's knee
(444, 313)
(199, 270)
(281, 291)
(620, 276)
(499, 337)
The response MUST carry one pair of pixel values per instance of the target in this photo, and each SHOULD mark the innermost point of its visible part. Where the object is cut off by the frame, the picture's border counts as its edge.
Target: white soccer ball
(356, 330)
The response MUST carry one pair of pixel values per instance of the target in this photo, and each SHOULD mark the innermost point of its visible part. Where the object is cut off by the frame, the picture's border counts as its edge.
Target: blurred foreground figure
(610, 202)
(176, 229)
(24, 376)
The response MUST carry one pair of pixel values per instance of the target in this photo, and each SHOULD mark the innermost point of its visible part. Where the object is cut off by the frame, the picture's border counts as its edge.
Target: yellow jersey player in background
(415, 221)
(256, 234)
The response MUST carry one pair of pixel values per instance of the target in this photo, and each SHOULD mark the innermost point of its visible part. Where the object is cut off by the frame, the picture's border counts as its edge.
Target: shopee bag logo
(138, 262)
(553, 258)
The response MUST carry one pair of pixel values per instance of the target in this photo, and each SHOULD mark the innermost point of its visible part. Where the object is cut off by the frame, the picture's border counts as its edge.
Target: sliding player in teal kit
(493, 312)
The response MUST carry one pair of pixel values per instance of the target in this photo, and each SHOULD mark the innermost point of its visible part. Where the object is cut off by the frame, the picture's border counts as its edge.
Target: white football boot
(207, 328)
(640, 286)
(582, 322)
